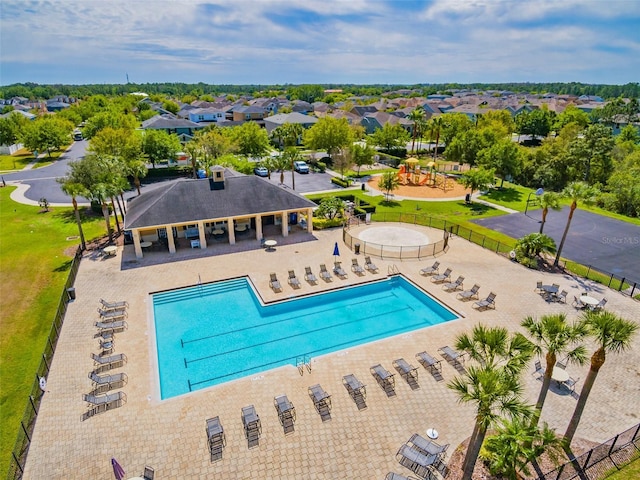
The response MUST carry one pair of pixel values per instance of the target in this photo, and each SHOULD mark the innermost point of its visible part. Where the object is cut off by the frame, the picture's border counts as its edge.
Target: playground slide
(424, 180)
(401, 171)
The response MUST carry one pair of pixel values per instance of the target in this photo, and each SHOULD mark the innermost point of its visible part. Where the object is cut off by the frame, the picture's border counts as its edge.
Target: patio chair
(384, 378)
(324, 273)
(561, 297)
(286, 413)
(369, 265)
(215, 437)
(105, 383)
(577, 303)
(252, 425)
(451, 356)
(338, 270)
(443, 277)
(406, 371)
(427, 447)
(539, 370)
(106, 315)
(108, 363)
(600, 305)
(113, 305)
(571, 384)
(309, 276)
(293, 280)
(321, 401)
(488, 302)
(416, 461)
(429, 363)
(111, 327)
(148, 473)
(433, 269)
(469, 294)
(357, 390)
(562, 364)
(539, 288)
(103, 403)
(453, 286)
(274, 283)
(356, 268)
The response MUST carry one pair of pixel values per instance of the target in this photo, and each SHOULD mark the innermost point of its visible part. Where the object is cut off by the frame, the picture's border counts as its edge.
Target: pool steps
(199, 291)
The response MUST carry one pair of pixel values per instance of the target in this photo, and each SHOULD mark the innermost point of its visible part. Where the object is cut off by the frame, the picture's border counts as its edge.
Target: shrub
(340, 182)
(322, 223)
(321, 166)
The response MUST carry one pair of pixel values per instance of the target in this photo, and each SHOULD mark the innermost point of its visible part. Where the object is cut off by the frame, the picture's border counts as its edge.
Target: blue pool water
(213, 333)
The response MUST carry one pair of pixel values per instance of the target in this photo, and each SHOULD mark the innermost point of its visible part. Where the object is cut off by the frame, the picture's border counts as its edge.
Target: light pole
(537, 193)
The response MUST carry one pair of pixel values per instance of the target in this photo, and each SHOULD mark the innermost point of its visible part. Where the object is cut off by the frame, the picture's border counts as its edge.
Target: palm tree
(74, 189)
(137, 169)
(532, 245)
(576, 191)
(494, 386)
(416, 115)
(496, 392)
(552, 336)
(548, 200)
(612, 334)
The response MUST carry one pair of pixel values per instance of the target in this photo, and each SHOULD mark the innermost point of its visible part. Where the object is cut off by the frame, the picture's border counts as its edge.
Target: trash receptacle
(356, 248)
(72, 293)
(363, 187)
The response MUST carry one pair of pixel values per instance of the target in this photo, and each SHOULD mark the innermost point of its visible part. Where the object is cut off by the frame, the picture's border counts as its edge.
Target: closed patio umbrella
(118, 471)
(336, 250)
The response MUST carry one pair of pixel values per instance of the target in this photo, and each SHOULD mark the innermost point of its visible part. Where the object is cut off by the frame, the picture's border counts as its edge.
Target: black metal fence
(21, 448)
(601, 460)
(626, 286)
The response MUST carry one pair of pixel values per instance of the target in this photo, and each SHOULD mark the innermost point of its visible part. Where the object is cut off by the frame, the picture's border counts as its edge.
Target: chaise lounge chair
(215, 438)
(107, 315)
(286, 413)
(103, 403)
(416, 461)
(113, 305)
(293, 280)
(104, 364)
(443, 277)
(469, 294)
(274, 283)
(321, 401)
(252, 425)
(338, 270)
(451, 356)
(324, 273)
(453, 286)
(427, 361)
(427, 447)
(488, 302)
(356, 268)
(384, 378)
(105, 383)
(309, 276)
(357, 390)
(431, 270)
(111, 327)
(369, 265)
(406, 370)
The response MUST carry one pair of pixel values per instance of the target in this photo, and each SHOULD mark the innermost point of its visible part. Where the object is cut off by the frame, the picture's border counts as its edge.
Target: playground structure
(410, 173)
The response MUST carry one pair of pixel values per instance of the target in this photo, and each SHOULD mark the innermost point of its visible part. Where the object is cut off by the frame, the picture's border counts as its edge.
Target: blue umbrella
(336, 251)
(118, 471)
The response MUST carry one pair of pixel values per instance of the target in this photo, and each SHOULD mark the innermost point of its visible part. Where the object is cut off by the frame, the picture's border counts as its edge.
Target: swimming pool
(213, 333)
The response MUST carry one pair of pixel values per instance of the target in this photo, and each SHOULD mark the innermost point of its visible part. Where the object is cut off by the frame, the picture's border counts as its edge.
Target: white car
(301, 167)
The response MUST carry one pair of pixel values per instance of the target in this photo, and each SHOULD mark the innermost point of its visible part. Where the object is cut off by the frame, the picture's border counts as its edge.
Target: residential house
(248, 113)
(373, 121)
(185, 129)
(210, 114)
(279, 119)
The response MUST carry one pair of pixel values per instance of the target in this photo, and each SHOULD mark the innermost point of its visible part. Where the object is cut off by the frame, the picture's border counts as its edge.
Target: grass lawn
(629, 471)
(23, 157)
(34, 269)
(510, 196)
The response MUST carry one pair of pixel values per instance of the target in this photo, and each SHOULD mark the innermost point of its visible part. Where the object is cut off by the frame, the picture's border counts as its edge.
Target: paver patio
(170, 435)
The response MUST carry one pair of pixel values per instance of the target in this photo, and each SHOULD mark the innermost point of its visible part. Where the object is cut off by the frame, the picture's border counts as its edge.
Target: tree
(330, 207)
(548, 200)
(388, 182)
(158, 145)
(361, 155)
(503, 157)
(74, 190)
(465, 147)
(137, 169)
(494, 386)
(289, 157)
(342, 161)
(453, 124)
(108, 118)
(612, 334)
(390, 137)
(47, 133)
(477, 179)
(11, 128)
(417, 115)
(536, 123)
(214, 143)
(308, 93)
(553, 336)
(571, 114)
(329, 134)
(516, 444)
(250, 139)
(592, 152)
(287, 135)
(529, 247)
(576, 191)
(171, 106)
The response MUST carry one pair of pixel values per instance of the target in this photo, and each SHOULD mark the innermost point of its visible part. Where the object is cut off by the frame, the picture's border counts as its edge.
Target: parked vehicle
(77, 135)
(261, 171)
(301, 167)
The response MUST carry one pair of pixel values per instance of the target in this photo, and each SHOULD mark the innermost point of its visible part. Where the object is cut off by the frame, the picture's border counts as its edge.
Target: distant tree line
(308, 93)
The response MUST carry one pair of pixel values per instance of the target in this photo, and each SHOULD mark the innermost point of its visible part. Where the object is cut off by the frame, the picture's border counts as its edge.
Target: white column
(285, 224)
(259, 227)
(203, 235)
(232, 232)
(171, 242)
(309, 220)
(136, 243)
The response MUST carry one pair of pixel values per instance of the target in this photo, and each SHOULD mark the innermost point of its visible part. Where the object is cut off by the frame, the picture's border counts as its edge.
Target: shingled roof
(189, 201)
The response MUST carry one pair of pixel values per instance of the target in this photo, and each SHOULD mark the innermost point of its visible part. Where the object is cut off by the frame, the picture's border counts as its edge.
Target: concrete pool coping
(170, 435)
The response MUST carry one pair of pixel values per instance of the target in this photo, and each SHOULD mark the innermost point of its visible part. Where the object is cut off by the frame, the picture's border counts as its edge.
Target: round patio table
(587, 300)
(110, 250)
(270, 244)
(145, 244)
(432, 433)
(559, 374)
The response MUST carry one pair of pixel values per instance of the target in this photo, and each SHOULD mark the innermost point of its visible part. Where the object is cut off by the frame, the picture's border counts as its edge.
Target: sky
(319, 41)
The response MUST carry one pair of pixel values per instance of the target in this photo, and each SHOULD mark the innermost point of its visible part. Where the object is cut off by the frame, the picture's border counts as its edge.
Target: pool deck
(170, 435)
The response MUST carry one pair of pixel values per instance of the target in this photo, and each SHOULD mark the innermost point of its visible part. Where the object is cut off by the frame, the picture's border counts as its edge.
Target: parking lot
(304, 182)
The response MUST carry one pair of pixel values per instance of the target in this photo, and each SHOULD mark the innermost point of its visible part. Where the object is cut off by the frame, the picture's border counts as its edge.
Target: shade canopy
(412, 160)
